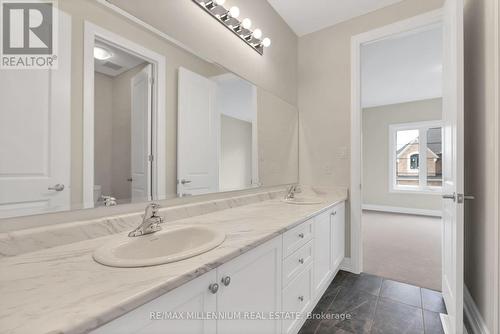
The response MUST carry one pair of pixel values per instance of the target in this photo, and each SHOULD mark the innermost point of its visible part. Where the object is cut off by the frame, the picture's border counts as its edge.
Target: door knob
(213, 288)
(450, 196)
(226, 280)
(459, 198)
(184, 181)
(57, 187)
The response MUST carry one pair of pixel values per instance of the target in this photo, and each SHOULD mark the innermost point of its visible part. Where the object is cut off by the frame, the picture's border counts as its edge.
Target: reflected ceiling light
(101, 53)
(229, 18)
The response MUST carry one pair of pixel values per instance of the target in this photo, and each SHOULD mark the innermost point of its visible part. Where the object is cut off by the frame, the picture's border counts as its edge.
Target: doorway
(124, 121)
(451, 19)
(401, 115)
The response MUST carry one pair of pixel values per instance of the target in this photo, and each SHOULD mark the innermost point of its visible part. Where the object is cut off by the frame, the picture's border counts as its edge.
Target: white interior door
(453, 166)
(140, 146)
(197, 135)
(35, 135)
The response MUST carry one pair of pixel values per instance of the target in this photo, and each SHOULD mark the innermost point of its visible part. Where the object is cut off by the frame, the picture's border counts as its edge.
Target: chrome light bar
(229, 19)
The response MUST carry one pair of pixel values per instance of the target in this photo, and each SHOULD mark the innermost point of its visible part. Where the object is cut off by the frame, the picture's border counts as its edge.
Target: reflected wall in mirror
(145, 120)
(217, 134)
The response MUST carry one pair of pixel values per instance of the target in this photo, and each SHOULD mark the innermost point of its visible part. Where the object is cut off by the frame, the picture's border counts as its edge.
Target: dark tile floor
(370, 304)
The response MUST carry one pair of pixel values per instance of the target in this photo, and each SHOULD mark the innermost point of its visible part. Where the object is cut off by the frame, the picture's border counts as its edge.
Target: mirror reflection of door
(35, 135)
(122, 126)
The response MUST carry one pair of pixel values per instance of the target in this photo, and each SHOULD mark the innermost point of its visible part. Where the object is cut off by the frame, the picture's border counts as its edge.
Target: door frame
(423, 21)
(158, 149)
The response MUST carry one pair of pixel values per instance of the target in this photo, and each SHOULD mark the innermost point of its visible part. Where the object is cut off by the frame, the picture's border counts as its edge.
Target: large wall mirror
(134, 120)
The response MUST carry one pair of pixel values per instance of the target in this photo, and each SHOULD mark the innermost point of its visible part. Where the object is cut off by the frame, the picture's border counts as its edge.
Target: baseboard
(472, 317)
(396, 209)
(346, 264)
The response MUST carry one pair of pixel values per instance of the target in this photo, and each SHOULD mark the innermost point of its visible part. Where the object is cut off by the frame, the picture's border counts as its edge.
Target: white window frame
(422, 128)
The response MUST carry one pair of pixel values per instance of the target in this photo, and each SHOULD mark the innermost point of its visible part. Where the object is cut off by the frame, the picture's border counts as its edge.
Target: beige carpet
(404, 248)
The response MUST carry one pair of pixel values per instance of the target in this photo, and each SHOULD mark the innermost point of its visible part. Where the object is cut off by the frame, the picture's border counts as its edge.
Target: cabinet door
(338, 235)
(192, 298)
(322, 251)
(255, 286)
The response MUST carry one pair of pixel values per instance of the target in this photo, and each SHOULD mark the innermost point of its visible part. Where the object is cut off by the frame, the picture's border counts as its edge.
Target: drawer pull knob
(226, 280)
(301, 298)
(301, 260)
(213, 288)
(301, 235)
(334, 213)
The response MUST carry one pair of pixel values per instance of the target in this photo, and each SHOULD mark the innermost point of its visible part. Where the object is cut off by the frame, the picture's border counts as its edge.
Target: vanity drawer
(297, 262)
(297, 297)
(297, 237)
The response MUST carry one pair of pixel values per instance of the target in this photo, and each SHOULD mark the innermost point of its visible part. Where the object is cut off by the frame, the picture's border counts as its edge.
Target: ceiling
(403, 68)
(305, 17)
(119, 63)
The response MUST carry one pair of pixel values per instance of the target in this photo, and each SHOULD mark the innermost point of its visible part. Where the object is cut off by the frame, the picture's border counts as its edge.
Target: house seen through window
(416, 156)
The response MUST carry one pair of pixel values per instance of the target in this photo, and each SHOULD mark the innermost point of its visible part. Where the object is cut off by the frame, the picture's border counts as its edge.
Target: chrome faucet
(150, 222)
(290, 193)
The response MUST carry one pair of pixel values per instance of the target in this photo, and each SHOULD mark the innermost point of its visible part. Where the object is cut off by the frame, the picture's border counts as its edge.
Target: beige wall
(376, 123)
(121, 133)
(265, 71)
(482, 164)
(324, 71)
(103, 120)
(277, 127)
(113, 103)
(186, 22)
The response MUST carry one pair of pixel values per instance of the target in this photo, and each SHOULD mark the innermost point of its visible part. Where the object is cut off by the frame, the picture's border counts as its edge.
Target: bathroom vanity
(277, 257)
(267, 287)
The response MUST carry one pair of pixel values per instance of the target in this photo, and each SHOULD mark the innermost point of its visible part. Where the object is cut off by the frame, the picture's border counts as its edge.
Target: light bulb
(246, 23)
(101, 53)
(257, 33)
(219, 2)
(234, 12)
(266, 42)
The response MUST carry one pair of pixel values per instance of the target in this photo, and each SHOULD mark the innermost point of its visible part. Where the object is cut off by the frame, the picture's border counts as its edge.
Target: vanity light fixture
(229, 18)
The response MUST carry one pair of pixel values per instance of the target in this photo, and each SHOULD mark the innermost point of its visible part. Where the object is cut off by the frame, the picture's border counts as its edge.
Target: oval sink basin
(162, 247)
(303, 200)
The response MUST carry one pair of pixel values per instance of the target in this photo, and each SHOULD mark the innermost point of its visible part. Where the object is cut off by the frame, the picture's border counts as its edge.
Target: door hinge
(151, 157)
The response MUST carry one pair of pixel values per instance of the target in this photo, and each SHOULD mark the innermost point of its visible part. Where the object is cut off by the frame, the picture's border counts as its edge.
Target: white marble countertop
(63, 290)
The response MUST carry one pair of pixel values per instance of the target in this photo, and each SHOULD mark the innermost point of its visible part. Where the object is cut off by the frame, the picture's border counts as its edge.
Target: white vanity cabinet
(251, 283)
(323, 250)
(248, 283)
(337, 219)
(152, 318)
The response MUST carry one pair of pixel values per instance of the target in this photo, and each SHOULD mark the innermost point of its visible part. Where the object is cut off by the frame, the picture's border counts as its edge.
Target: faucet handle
(151, 210)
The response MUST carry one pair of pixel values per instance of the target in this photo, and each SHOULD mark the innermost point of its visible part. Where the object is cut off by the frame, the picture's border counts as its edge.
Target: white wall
(237, 99)
(376, 121)
(482, 157)
(235, 169)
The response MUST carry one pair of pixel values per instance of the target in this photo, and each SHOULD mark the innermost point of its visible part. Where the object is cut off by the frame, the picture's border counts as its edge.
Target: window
(416, 157)
(414, 161)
